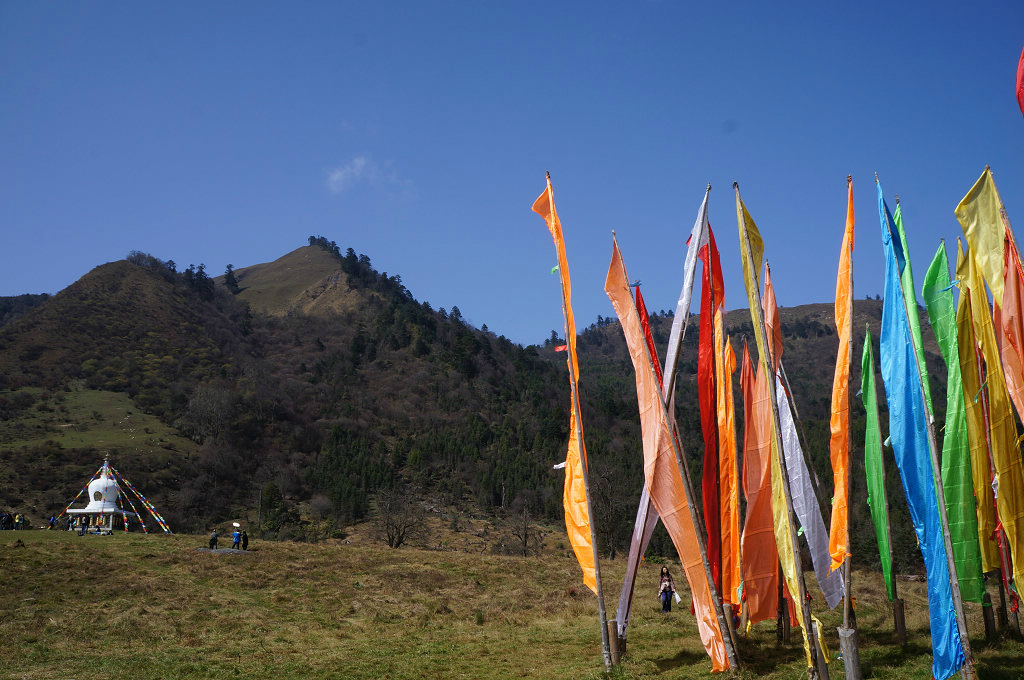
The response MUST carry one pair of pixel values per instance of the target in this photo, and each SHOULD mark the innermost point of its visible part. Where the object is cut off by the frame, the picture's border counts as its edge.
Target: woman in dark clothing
(666, 589)
(245, 541)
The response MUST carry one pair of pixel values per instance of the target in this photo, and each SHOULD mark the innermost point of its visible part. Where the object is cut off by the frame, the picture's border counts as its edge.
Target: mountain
(320, 378)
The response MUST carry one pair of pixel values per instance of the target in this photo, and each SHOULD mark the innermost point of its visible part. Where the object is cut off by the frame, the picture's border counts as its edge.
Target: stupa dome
(102, 493)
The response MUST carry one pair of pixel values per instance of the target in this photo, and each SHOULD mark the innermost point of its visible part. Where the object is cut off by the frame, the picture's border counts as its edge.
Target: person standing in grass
(236, 538)
(666, 589)
(213, 540)
(245, 540)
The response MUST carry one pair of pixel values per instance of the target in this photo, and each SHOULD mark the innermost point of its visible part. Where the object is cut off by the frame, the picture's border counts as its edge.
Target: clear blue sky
(419, 133)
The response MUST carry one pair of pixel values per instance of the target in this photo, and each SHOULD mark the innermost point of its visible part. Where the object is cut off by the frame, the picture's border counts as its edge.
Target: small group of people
(238, 539)
(12, 522)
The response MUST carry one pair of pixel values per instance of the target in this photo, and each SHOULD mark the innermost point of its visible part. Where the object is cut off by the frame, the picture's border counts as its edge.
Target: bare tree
(520, 524)
(398, 518)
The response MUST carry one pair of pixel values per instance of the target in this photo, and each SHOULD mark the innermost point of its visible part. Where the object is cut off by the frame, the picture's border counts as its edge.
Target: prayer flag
(710, 295)
(957, 484)
(1009, 477)
(647, 515)
(805, 504)
(751, 253)
(698, 238)
(908, 432)
(574, 493)
(772, 323)
(907, 282)
(661, 471)
(978, 214)
(839, 423)
(760, 557)
(1020, 82)
(975, 398)
(645, 322)
(732, 581)
(874, 467)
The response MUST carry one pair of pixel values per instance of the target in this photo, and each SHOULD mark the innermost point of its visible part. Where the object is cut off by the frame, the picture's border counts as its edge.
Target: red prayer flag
(1020, 82)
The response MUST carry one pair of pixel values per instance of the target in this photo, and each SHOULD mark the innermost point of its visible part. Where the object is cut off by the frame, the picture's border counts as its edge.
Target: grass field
(137, 606)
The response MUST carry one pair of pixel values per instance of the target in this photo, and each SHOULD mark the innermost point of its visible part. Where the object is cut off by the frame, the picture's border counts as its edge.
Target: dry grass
(153, 607)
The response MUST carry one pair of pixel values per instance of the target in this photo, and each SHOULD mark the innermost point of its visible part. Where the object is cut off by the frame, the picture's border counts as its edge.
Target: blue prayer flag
(909, 435)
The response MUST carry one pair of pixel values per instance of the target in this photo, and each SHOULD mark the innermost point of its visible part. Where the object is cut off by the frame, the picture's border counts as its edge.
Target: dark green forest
(385, 392)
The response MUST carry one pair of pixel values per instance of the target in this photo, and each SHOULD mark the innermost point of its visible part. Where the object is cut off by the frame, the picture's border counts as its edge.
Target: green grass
(135, 606)
(84, 418)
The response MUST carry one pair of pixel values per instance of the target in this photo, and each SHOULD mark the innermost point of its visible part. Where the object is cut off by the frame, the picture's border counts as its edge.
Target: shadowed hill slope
(323, 377)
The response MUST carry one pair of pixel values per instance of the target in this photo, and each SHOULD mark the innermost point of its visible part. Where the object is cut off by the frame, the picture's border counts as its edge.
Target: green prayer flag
(957, 484)
(874, 469)
(907, 283)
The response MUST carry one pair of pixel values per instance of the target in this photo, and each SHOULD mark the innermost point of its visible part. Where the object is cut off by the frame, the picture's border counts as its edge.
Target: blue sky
(419, 134)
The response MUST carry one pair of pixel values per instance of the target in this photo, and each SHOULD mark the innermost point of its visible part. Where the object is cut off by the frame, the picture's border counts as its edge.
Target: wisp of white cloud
(344, 176)
(363, 169)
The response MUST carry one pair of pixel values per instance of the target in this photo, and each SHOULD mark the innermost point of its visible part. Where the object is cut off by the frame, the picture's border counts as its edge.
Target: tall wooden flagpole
(818, 668)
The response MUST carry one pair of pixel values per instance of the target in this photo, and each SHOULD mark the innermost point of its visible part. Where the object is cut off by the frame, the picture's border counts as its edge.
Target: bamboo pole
(818, 666)
(606, 651)
(967, 670)
(677, 448)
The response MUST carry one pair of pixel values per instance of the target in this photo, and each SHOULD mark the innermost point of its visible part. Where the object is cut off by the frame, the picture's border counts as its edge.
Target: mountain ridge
(323, 376)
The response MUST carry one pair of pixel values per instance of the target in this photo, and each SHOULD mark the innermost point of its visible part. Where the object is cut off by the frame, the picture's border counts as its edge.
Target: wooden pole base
(613, 640)
(900, 621)
(822, 665)
(990, 618)
(851, 655)
(1001, 609)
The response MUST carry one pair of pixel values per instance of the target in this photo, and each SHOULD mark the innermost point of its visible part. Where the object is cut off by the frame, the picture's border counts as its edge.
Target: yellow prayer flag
(1002, 425)
(977, 436)
(979, 217)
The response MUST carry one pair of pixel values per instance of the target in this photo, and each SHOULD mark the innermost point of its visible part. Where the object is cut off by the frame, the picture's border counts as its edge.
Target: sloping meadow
(154, 607)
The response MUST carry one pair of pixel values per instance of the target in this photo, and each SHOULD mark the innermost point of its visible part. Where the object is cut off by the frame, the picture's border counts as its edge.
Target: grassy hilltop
(136, 606)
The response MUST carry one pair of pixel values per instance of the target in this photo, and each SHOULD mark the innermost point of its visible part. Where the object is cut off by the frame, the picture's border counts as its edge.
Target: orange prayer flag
(661, 471)
(574, 492)
(771, 319)
(729, 494)
(839, 423)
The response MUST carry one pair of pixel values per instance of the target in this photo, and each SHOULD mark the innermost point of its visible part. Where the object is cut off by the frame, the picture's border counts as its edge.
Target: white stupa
(98, 516)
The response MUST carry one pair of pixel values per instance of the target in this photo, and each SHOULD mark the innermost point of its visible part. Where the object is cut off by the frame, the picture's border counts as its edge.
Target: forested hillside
(317, 377)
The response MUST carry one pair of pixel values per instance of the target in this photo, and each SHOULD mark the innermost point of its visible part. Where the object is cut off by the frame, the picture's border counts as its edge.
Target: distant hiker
(666, 589)
(245, 541)
(53, 522)
(236, 538)
(213, 540)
